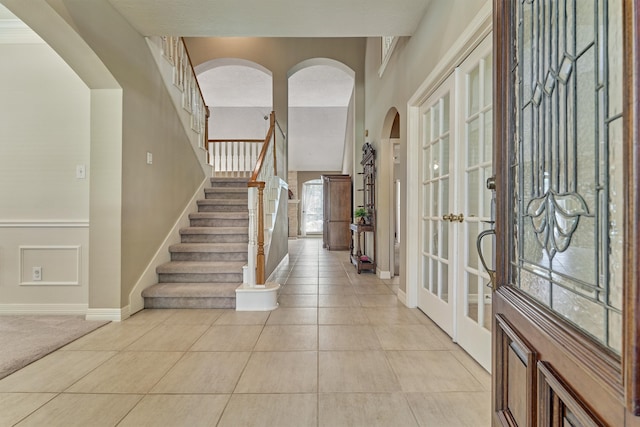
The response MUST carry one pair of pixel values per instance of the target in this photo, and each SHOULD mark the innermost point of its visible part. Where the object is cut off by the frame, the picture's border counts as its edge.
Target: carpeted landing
(26, 338)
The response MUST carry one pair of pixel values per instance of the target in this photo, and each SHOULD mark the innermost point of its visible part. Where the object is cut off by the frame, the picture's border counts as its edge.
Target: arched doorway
(389, 188)
(312, 202)
(239, 94)
(320, 115)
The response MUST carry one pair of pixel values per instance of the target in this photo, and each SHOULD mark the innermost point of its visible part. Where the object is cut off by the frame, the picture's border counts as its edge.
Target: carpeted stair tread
(242, 202)
(191, 290)
(240, 191)
(215, 230)
(196, 267)
(208, 247)
(219, 215)
(207, 266)
(229, 182)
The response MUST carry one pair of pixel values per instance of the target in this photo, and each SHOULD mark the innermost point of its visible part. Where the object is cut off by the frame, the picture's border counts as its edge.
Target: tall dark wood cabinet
(337, 212)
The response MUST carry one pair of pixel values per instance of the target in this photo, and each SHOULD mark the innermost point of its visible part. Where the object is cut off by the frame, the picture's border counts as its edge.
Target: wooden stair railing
(175, 51)
(263, 172)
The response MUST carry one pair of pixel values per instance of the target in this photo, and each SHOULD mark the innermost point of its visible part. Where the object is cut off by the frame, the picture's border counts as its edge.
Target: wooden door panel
(594, 374)
(571, 373)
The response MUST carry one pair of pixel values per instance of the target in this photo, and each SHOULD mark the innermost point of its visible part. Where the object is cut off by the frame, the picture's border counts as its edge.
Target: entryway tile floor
(339, 351)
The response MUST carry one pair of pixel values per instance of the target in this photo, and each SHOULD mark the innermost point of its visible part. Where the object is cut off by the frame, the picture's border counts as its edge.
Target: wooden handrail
(260, 185)
(265, 147)
(194, 71)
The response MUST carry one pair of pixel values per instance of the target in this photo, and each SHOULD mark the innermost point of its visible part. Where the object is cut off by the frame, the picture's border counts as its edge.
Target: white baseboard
(384, 275)
(112, 314)
(44, 309)
(402, 297)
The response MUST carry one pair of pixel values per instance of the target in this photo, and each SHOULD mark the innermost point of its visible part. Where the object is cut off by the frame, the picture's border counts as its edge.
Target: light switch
(81, 172)
(149, 158)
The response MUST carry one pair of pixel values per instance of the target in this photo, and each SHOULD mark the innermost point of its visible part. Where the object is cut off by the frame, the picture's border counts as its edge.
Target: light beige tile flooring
(339, 351)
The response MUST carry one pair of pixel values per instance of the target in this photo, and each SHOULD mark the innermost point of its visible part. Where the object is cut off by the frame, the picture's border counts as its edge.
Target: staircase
(206, 268)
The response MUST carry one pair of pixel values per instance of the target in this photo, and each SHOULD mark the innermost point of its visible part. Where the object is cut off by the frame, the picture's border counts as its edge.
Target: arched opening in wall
(239, 94)
(321, 106)
(312, 203)
(390, 188)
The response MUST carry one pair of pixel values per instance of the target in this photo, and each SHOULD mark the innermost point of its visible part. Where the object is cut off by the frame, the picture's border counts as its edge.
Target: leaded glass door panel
(560, 224)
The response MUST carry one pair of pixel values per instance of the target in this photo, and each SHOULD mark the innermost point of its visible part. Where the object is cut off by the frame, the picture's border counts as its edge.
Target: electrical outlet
(149, 158)
(36, 274)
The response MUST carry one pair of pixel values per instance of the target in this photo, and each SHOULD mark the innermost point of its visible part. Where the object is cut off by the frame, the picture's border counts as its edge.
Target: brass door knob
(458, 218)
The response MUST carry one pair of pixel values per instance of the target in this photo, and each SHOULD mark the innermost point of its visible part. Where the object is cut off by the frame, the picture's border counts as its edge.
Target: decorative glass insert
(566, 162)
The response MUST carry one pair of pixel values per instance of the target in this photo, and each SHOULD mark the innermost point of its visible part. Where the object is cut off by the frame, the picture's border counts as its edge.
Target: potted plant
(361, 214)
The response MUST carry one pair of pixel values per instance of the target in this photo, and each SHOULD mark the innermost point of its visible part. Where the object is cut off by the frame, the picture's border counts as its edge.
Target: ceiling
(273, 18)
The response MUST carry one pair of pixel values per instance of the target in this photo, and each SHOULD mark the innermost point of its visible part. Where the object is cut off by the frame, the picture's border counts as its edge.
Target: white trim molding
(386, 53)
(72, 282)
(44, 309)
(384, 275)
(46, 223)
(112, 314)
(402, 297)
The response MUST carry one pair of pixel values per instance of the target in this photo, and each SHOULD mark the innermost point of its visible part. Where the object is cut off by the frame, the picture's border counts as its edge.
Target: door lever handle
(492, 273)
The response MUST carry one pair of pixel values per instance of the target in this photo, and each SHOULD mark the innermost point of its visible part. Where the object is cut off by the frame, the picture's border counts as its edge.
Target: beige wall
(44, 208)
(133, 205)
(153, 196)
(412, 61)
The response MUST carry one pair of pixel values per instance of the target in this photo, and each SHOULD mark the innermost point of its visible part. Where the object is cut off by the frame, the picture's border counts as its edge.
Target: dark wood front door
(565, 304)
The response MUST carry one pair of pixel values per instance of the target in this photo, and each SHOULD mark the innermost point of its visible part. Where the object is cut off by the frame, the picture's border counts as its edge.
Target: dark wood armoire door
(336, 190)
(565, 303)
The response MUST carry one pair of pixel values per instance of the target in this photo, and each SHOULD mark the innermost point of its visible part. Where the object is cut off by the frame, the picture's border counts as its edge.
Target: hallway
(340, 351)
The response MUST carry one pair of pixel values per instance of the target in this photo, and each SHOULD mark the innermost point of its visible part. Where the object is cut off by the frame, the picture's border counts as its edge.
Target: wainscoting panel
(61, 249)
(58, 265)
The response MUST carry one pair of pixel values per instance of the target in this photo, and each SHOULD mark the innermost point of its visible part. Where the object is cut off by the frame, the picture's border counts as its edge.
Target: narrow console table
(360, 260)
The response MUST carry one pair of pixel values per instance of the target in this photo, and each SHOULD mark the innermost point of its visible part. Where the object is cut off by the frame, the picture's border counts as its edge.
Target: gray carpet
(25, 339)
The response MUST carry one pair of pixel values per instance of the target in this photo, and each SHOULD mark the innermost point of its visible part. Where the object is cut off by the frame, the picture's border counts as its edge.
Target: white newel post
(253, 244)
(249, 297)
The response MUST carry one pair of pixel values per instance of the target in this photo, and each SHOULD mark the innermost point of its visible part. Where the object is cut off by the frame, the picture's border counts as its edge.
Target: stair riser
(208, 222)
(225, 195)
(215, 238)
(200, 278)
(187, 302)
(222, 208)
(226, 183)
(209, 256)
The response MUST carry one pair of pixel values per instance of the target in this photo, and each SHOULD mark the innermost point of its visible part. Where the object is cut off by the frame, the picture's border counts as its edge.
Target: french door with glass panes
(435, 296)
(456, 129)
(474, 166)
(565, 308)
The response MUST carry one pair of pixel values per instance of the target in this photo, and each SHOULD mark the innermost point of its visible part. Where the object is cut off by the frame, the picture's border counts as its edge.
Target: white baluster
(253, 235)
